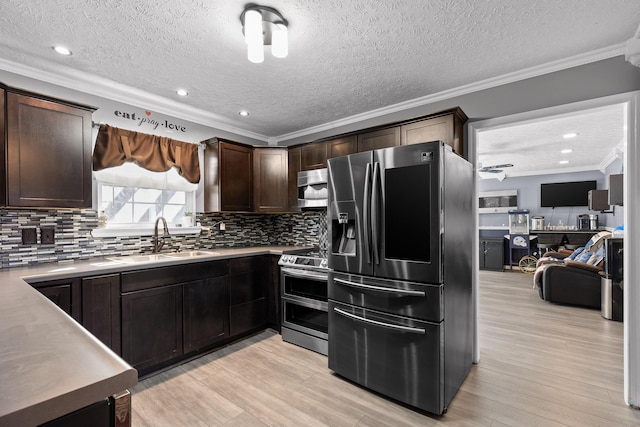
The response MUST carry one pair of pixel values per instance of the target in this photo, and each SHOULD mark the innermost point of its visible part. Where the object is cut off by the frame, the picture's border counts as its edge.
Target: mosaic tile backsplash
(73, 239)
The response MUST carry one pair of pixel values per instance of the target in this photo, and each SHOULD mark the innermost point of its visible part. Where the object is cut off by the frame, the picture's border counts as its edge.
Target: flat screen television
(560, 194)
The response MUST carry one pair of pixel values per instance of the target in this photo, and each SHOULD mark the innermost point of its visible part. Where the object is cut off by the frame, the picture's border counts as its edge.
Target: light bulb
(255, 52)
(253, 27)
(280, 41)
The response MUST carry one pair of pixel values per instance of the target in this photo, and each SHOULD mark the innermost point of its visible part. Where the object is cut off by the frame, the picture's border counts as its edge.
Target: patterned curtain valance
(156, 153)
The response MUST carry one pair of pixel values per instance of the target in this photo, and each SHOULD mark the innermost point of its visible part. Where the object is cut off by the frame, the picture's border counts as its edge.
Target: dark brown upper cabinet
(228, 176)
(270, 176)
(342, 146)
(447, 127)
(48, 153)
(383, 138)
(313, 156)
(294, 168)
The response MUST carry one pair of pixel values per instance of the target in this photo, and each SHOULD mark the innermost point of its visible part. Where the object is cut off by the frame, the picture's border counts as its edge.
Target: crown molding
(109, 89)
(538, 70)
(105, 88)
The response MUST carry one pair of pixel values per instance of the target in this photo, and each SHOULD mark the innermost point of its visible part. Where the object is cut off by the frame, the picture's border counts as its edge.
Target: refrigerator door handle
(367, 214)
(381, 324)
(380, 288)
(375, 213)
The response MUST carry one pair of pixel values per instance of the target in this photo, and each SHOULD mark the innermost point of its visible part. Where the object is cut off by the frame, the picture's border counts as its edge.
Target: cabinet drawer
(164, 276)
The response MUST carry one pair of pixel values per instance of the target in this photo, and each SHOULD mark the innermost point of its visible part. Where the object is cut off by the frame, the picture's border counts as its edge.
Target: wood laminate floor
(541, 365)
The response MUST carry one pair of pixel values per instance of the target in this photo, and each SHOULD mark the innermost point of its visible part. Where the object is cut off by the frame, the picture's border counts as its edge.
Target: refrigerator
(400, 227)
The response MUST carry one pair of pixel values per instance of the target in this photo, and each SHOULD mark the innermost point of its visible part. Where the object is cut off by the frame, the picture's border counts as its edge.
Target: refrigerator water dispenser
(343, 228)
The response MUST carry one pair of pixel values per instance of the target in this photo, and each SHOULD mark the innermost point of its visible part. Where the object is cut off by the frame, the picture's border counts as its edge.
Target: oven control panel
(303, 261)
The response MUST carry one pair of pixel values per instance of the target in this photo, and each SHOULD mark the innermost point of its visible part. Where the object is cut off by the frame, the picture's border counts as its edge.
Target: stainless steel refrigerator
(400, 226)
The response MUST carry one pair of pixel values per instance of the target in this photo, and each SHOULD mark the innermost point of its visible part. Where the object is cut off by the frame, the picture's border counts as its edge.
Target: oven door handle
(293, 272)
(381, 324)
(380, 288)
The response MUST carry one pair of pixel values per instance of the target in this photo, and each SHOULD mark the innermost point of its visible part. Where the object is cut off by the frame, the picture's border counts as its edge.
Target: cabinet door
(3, 170)
(64, 293)
(491, 254)
(273, 294)
(342, 146)
(206, 308)
(48, 153)
(446, 128)
(101, 309)
(383, 138)
(152, 327)
(248, 283)
(313, 156)
(270, 180)
(294, 168)
(236, 177)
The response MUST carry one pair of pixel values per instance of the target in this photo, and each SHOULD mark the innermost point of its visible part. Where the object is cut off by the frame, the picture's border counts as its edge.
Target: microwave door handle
(380, 288)
(382, 324)
(366, 215)
(375, 213)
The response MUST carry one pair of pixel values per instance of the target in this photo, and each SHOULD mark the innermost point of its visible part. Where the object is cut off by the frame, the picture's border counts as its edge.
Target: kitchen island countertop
(49, 364)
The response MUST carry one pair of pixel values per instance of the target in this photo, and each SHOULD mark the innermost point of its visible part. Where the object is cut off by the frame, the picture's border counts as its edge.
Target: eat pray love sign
(147, 120)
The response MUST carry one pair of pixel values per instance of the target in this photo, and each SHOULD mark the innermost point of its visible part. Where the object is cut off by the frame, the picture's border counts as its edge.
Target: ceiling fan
(495, 168)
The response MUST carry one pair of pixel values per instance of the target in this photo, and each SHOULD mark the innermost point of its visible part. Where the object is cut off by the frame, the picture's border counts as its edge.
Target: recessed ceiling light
(563, 162)
(569, 135)
(62, 50)
(244, 113)
(566, 150)
(182, 92)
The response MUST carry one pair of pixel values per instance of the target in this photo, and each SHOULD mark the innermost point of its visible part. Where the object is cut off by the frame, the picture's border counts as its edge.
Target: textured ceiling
(535, 148)
(345, 57)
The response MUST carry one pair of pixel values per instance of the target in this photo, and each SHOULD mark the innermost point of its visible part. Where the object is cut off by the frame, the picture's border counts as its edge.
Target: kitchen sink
(134, 259)
(188, 254)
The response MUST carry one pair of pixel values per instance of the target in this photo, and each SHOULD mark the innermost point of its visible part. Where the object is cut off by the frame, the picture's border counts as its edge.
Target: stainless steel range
(304, 279)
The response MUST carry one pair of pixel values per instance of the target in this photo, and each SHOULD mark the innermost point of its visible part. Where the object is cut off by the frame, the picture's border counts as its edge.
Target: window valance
(155, 153)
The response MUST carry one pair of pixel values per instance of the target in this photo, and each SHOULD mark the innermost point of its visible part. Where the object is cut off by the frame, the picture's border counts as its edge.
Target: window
(131, 205)
(132, 196)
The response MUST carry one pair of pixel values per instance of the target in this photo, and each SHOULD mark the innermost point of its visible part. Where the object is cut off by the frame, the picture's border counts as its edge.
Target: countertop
(49, 364)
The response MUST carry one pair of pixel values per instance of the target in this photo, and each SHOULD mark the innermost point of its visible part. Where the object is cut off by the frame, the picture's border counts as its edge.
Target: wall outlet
(222, 226)
(29, 236)
(47, 235)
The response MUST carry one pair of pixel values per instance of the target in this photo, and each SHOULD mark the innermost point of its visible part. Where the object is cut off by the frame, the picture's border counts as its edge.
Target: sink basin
(133, 259)
(188, 254)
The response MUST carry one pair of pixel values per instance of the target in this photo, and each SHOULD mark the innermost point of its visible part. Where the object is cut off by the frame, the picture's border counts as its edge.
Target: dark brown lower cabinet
(152, 327)
(248, 285)
(64, 293)
(205, 304)
(171, 312)
(273, 306)
(101, 309)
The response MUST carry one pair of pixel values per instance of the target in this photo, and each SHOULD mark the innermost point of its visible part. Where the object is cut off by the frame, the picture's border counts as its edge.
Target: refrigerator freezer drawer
(398, 357)
(410, 299)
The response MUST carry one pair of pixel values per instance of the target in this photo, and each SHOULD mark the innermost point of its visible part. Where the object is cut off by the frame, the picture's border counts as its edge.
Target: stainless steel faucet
(158, 243)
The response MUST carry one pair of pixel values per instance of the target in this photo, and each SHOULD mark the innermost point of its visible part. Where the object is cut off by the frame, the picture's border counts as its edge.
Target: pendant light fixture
(262, 26)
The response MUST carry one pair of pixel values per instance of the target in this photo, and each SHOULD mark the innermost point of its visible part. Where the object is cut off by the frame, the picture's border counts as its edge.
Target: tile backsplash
(73, 239)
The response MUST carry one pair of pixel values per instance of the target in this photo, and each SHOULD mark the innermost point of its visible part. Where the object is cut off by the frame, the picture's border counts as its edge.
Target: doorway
(630, 102)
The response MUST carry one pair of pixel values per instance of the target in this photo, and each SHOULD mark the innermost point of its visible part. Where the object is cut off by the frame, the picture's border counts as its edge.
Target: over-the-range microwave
(312, 188)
